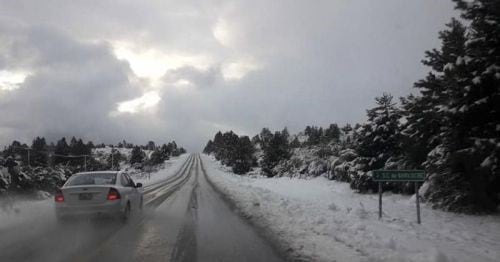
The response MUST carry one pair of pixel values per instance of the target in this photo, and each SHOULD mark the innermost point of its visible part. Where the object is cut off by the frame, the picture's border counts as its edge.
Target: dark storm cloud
(71, 88)
(272, 63)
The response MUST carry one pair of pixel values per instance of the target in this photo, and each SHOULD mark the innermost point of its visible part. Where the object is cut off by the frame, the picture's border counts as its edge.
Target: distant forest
(43, 166)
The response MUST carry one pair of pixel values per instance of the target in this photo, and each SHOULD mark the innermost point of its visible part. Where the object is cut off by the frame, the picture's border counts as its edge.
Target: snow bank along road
(185, 219)
(322, 220)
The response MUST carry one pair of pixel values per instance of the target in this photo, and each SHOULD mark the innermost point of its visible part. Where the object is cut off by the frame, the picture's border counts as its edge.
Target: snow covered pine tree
(464, 92)
(377, 141)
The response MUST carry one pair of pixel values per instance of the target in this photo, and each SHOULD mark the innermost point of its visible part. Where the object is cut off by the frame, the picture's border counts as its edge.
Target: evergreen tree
(72, 142)
(256, 140)
(114, 159)
(378, 139)
(346, 129)
(308, 131)
(137, 156)
(173, 148)
(295, 143)
(231, 150)
(463, 167)
(14, 147)
(380, 135)
(165, 151)
(79, 148)
(285, 133)
(347, 134)
(332, 133)
(428, 115)
(228, 150)
(157, 158)
(265, 137)
(320, 136)
(18, 151)
(243, 158)
(39, 154)
(151, 145)
(209, 148)
(182, 150)
(277, 150)
(315, 135)
(218, 144)
(61, 149)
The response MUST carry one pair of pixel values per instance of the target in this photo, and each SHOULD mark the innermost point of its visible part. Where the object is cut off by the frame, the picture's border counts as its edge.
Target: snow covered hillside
(167, 170)
(103, 153)
(323, 220)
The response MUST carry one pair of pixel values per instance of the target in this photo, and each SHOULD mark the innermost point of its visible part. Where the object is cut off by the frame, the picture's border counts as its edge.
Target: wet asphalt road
(185, 220)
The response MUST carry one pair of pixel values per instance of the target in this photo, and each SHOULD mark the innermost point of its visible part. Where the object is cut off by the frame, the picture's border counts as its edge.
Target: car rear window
(92, 179)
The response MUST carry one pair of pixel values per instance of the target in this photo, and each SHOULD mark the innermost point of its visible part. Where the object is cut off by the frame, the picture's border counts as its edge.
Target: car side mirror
(138, 185)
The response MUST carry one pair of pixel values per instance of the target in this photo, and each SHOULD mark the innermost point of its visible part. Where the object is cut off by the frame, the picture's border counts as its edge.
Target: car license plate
(85, 196)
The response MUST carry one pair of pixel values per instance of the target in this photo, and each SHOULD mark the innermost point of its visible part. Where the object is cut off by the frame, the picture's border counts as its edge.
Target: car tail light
(59, 197)
(113, 194)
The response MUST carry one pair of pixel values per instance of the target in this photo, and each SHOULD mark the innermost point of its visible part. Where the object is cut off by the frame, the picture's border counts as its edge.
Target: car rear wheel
(126, 213)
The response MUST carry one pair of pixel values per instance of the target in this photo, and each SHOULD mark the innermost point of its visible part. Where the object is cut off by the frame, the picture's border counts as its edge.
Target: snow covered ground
(17, 212)
(171, 167)
(102, 154)
(146, 178)
(322, 220)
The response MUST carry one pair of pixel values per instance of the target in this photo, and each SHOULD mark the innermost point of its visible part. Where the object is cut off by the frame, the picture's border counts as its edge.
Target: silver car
(108, 193)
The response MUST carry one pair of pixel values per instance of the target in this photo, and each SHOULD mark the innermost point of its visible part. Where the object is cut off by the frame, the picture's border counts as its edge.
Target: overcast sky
(165, 70)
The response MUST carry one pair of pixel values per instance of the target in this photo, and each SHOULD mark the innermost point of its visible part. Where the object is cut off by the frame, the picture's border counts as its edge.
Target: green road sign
(398, 175)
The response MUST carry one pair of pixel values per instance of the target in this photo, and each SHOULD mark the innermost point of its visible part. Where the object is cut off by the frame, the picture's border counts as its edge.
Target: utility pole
(50, 160)
(29, 162)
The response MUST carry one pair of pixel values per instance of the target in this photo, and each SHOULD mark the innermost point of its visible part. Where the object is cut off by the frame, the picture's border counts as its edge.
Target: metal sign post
(398, 176)
(148, 169)
(418, 202)
(379, 200)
